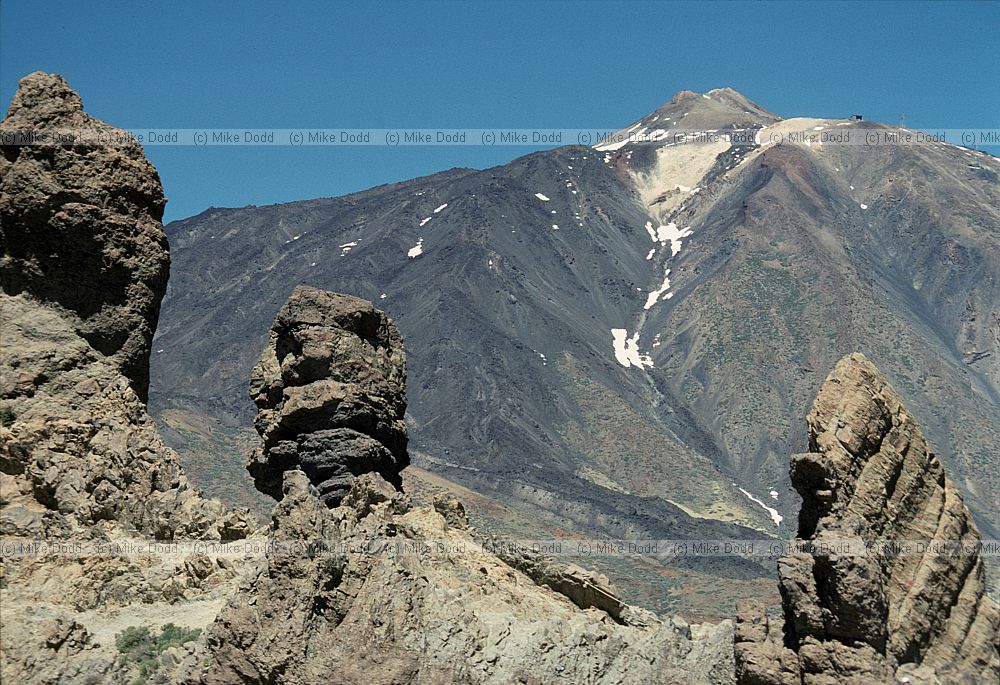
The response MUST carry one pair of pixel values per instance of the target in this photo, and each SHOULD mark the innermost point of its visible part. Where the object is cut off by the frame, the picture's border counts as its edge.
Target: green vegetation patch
(139, 647)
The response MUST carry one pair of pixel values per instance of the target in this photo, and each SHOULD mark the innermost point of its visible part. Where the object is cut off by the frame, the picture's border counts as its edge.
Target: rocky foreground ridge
(393, 593)
(871, 479)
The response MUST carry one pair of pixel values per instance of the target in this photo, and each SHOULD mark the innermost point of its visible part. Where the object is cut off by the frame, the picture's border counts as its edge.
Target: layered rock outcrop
(892, 587)
(83, 270)
(331, 392)
(80, 449)
(80, 224)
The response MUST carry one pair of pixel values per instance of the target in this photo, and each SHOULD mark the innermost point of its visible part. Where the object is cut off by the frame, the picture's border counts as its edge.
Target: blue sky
(460, 64)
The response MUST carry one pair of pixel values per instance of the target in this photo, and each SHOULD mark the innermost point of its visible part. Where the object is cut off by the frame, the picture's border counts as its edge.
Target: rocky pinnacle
(80, 225)
(331, 390)
(870, 478)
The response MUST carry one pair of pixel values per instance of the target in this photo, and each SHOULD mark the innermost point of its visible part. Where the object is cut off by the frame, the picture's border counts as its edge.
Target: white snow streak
(775, 516)
(668, 233)
(417, 249)
(541, 197)
(655, 295)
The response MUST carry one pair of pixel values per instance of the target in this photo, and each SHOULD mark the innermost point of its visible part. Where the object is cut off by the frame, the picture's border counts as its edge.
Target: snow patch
(864, 206)
(773, 494)
(440, 208)
(668, 233)
(655, 295)
(417, 249)
(652, 250)
(775, 516)
(627, 349)
(346, 247)
(424, 221)
(541, 197)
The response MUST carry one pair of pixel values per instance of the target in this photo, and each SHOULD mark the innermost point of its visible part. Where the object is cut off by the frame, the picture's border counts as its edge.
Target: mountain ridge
(532, 282)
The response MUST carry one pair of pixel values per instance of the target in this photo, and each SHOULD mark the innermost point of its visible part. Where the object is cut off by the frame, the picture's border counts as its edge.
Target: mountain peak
(714, 106)
(718, 109)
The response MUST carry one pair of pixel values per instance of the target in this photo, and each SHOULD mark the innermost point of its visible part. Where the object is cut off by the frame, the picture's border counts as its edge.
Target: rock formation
(331, 390)
(80, 225)
(892, 585)
(389, 593)
(377, 590)
(358, 585)
(83, 268)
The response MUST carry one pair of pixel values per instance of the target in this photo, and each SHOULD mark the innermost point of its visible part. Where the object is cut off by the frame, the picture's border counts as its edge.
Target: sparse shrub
(7, 417)
(139, 647)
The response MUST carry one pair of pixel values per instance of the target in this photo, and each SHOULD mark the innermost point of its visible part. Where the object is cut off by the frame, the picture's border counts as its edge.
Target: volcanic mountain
(624, 339)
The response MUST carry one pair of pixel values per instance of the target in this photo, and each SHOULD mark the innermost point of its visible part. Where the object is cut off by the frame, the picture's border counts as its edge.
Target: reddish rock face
(872, 615)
